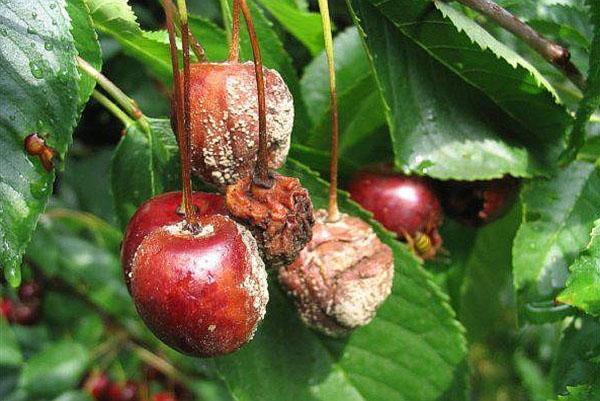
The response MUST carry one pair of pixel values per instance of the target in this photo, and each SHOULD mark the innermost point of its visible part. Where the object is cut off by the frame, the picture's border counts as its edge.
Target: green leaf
(74, 395)
(558, 214)
(152, 156)
(487, 279)
(591, 96)
(86, 43)
(476, 59)
(534, 380)
(363, 138)
(412, 350)
(116, 18)
(54, 370)
(583, 285)
(576, 361)
(39, 92)
(303, 25)
(440, 125)
(581, 393)
(10, 352)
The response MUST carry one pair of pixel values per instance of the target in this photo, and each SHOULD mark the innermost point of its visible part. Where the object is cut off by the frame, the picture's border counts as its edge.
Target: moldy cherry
(342, 276)
(224, 120)
(162, 210)
(201, 289)
(406, 205)
(476, 203)
(280, 216)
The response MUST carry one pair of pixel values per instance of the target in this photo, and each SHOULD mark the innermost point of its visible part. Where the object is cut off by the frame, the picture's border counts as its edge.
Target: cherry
(202, 290)
(406, 205)
(224, 120)
(26, 314)
(125, 392)
(162, 210)
(477, 203)
(30, 291)
(97, 384)
(164, 396)
(342, 276)
(6, 307)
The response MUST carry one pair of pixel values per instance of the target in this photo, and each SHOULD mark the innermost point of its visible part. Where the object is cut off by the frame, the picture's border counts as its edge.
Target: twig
(550, 51)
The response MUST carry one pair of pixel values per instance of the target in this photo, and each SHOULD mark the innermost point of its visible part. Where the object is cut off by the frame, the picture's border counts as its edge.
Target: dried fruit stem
(234, 45)
(333, 212)
(552, 52)
(112, 108)
(262, 177)
(128, 104)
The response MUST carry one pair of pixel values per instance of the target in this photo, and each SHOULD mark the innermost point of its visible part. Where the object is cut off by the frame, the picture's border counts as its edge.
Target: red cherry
(126, 392)
(26, 314)
(224, 120)
(159, 211)
(97, 385)
(203, 292)
(478, 203)
(164, 397)
(30, 291)
(406, 205)
(6, 307)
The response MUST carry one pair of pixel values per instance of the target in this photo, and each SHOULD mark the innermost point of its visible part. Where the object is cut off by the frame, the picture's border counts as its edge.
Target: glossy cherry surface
(203, 292)
(159, 211)
(406, 205)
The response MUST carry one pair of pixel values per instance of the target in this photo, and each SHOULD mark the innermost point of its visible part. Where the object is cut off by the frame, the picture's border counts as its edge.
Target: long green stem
(333, 212)
(226, 17)
(112, 108)
(128, 104)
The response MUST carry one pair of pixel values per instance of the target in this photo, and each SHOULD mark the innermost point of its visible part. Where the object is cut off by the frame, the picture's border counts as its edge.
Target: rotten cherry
(224, 120)
(406, 205)
(201, 289)
(342, 276)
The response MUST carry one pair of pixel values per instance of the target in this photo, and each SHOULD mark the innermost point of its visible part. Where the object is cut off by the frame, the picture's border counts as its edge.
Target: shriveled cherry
(406, 205)
(158, 211)
(476, 203)
(97, 384)
(202, 290)
(224, 120)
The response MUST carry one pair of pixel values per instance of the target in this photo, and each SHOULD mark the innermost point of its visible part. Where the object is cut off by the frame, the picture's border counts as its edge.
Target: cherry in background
(406, 205)
(163, 209)
(477, 203)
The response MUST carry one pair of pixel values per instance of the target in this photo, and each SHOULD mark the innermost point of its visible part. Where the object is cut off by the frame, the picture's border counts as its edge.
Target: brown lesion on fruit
(35, 145)
(280, 217)
(342, 277)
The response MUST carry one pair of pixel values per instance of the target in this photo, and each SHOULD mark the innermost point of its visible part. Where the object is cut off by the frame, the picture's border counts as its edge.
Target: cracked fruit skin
(224, 120)
(159, 211)
(406, 205)
(201, 291)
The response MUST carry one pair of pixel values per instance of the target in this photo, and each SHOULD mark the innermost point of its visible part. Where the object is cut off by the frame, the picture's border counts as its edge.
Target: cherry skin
(158, 211)
(201, 290)
(406, 205)
(6, 307)
(478, 203)
(164, 396)
(97, 385)
(224, 120)
(30, 291)
(125, 392)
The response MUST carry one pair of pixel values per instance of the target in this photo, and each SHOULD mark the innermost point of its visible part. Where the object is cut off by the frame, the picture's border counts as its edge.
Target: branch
(550, 51)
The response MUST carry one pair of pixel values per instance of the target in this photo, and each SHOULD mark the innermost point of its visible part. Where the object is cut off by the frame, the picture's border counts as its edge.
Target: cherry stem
(128, 104)
(181, 102)
(234, 46)
(112, 108)
(262, 176)
(333, 212)
(196, 46)
(550, 51)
